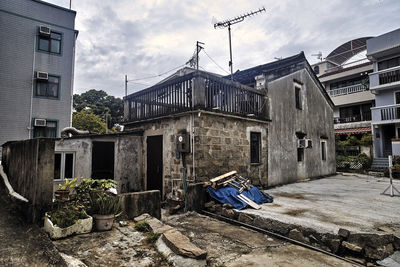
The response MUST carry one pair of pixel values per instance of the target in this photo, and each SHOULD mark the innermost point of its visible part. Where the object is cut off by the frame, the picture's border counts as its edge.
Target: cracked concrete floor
(229, 245)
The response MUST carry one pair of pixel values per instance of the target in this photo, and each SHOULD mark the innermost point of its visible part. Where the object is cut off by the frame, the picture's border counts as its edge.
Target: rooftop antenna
(319, 55)
(228, 23)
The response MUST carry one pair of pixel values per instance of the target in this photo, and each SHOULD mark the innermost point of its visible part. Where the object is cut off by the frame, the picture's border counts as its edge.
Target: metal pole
(184, 181)
(197, 55)
(230, 51)
(126, 85)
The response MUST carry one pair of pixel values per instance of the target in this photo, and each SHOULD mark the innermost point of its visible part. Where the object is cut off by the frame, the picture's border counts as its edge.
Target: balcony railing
(194, 91)
(365, 116)
(391, 112)
(347, 90)
(384, 77)
(389, 77)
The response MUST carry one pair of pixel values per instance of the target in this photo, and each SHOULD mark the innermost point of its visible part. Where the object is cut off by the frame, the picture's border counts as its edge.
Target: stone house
(273, 124)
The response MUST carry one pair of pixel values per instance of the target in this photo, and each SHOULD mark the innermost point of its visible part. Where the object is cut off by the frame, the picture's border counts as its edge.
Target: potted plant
(67, 219)
(105, 207)
(64, 189)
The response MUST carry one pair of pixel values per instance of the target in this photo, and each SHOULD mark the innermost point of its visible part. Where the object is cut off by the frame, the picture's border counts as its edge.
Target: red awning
(353, 130)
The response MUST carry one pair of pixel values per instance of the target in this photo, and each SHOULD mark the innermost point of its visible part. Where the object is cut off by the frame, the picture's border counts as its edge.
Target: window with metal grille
(298, 97)
(50, 130)
(50, 43)
(323, 150)
(255, 145)
(49, 87)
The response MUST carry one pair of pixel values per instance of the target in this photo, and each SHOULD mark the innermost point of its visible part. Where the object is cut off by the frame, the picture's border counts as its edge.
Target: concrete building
(37, 41)
(344, 74)
(384, 52)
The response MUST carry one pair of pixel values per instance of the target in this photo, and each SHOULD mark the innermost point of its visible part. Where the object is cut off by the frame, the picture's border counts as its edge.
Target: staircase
(380, 163)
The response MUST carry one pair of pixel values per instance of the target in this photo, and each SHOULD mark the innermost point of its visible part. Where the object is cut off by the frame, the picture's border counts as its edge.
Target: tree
(87, 120)
(101, 104)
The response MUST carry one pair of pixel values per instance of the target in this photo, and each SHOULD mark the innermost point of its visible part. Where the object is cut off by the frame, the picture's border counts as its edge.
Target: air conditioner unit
(40, 122)
(40, 75)
(308, 143)
(43, 30)
(301, 143)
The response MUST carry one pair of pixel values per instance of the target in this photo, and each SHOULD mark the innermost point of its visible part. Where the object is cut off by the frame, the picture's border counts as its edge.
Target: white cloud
(148, 37)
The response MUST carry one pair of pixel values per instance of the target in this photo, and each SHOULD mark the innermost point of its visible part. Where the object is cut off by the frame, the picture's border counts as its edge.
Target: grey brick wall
(19, 58)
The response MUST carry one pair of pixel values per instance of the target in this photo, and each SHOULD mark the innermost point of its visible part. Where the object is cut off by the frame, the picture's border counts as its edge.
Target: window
(64, 163)
(389, 63)
(323, 150)
(300, 154)
(49, 130)
(316, 69)
(298, 97)
(49, 87)
(50, 43)
(255, 145)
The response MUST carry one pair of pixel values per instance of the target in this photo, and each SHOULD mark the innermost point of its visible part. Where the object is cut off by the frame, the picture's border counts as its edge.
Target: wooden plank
(249, 202)
(216, 179)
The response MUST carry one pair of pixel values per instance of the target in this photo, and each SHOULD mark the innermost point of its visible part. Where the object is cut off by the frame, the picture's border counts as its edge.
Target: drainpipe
(192, 144)
(9, 187)
(31, 94)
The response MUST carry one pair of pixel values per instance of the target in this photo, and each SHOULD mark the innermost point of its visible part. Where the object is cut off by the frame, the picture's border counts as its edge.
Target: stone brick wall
(222, 144)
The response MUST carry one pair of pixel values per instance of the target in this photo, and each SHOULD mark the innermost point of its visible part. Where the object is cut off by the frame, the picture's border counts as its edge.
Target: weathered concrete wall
(314, 119)
(222, 144)
(29, 166)
(127, 159)
(138, 203)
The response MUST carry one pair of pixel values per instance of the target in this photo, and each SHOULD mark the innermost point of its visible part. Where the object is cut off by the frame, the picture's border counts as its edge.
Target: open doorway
(103, 160)
(155, 163)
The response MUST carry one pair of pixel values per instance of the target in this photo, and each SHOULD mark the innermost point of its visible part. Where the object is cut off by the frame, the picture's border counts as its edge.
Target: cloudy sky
(148, 38)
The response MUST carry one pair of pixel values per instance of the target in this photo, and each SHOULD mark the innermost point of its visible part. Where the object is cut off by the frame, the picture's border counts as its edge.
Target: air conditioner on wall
(308, 143)
(40, 122)
(40, 75)
(301, 143)
(43, 30)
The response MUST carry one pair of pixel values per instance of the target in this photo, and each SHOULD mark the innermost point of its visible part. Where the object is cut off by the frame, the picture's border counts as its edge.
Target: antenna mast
(228, 23)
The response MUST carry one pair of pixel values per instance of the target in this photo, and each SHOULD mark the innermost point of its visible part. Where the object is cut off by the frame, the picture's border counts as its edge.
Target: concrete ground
(353, 202)
(229, 245)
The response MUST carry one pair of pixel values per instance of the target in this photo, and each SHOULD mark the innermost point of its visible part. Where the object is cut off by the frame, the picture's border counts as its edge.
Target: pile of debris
(232, 189)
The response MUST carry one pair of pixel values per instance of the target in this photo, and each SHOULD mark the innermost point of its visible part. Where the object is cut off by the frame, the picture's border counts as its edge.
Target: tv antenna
(228, 23)
(319, 55)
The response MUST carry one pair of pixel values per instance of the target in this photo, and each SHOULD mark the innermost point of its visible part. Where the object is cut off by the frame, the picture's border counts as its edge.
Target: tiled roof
(353, 130)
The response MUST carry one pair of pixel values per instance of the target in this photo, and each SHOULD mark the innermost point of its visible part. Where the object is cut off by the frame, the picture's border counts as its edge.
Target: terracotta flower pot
(61, 194)
(104, 222)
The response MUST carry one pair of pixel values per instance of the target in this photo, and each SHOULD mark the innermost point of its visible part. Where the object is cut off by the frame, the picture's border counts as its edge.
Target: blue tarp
(229, 195)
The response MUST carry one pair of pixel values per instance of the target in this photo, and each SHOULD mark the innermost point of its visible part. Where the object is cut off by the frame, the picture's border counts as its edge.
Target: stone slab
(181, 245)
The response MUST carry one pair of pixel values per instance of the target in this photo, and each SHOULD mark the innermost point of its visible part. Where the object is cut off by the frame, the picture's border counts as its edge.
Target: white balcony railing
(384, 77)
(348, 90)
(385, 113)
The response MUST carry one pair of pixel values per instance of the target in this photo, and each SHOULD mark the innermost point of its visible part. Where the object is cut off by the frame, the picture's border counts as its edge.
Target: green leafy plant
(88, 187)
(142, 226)
(67, 215)
(106, 204)
(68, 184)
(366, 140)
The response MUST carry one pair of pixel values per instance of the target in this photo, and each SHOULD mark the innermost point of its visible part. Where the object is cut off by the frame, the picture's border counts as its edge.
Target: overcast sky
(147, 38)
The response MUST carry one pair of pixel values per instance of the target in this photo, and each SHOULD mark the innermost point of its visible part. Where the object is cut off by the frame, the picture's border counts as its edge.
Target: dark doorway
(388, 134)
(103, 160)
(154, 163)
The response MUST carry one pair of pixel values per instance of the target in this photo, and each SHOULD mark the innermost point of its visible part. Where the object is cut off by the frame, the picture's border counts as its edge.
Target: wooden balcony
(195, 91)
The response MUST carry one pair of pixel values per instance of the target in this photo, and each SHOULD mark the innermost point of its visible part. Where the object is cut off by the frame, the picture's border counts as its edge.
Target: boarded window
(255, 144)
(300, 154)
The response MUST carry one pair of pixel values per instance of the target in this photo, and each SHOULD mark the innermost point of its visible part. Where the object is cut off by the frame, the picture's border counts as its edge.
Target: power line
(215, 62)
(158, 75)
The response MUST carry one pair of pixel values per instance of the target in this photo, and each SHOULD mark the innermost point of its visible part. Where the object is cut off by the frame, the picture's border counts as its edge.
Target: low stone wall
(138, 203)
(368, 247)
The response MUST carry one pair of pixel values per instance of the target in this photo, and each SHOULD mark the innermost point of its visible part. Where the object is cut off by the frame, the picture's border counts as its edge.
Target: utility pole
(126, 85)
(228, 23)
(198, 49)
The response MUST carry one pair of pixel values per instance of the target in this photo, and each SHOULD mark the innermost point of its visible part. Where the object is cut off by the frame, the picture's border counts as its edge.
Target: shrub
(66, 215)
(142, 227)
(366, 140)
